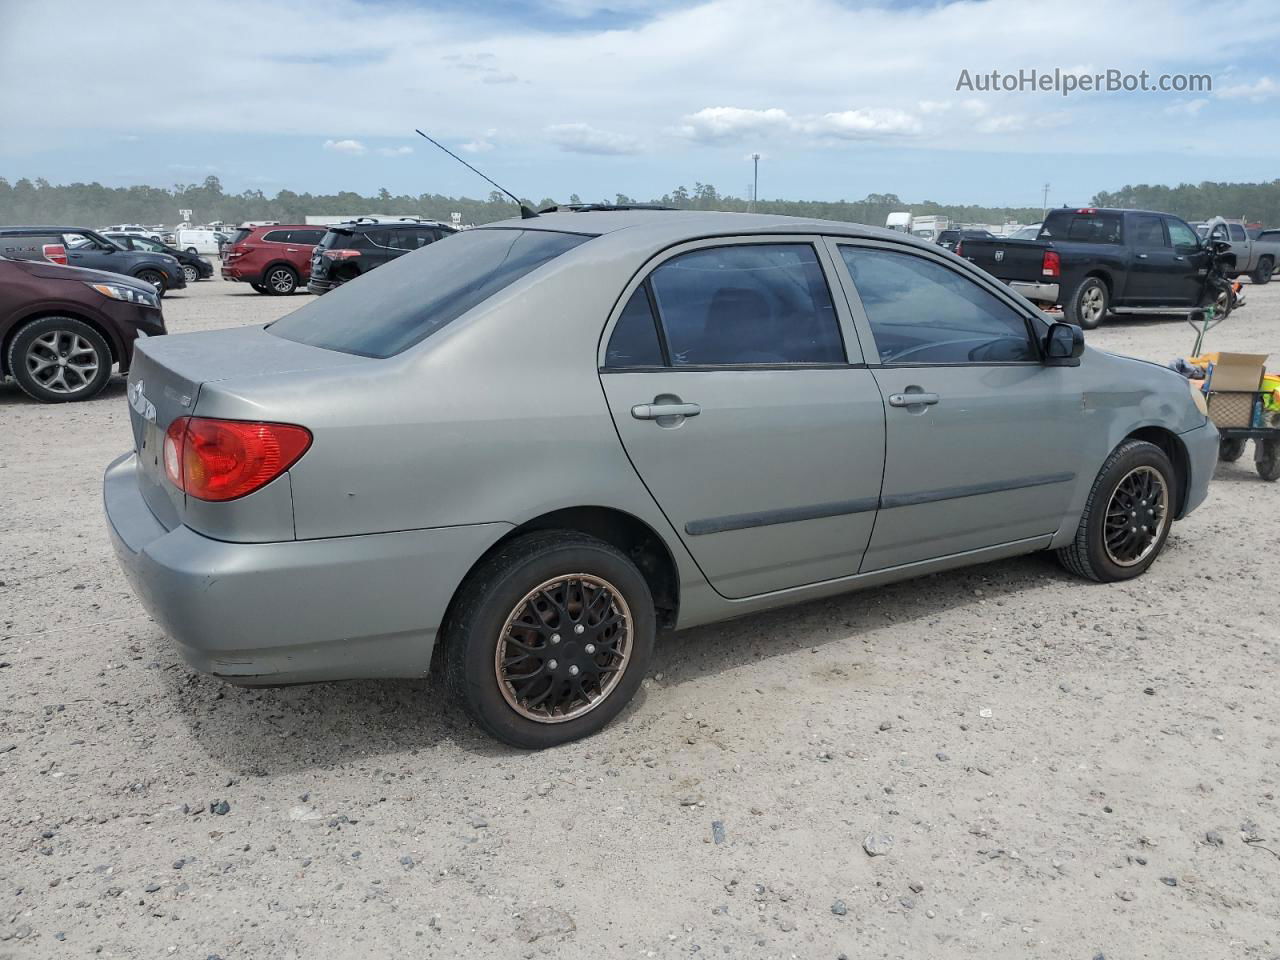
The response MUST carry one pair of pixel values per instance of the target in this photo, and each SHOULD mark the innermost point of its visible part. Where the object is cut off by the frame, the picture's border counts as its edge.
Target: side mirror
(1063, 344)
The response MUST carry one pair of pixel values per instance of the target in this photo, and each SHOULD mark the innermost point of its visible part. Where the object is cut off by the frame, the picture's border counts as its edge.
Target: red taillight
(1052, 265)
(341, 254)
(225, 459)
(55, 253)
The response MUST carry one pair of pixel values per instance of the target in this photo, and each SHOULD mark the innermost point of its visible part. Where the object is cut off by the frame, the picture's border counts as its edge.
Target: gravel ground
(1044, 767)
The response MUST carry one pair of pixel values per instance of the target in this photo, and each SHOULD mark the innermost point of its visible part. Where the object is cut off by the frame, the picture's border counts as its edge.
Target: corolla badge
(138, 400)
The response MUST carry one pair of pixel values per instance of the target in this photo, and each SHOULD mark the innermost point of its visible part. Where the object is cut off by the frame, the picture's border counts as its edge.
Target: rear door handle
(913, 399)
(1142, 256)
(652, 411)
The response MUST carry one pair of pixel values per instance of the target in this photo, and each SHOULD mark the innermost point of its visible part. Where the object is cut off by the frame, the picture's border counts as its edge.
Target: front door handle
(652, 411)
(1142, 256)
(913, 399)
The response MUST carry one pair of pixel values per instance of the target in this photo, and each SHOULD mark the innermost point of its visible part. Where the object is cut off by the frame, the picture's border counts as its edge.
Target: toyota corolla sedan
(530, 446)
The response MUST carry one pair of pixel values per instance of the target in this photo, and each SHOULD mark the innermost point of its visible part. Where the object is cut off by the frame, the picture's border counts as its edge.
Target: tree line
(92, 204)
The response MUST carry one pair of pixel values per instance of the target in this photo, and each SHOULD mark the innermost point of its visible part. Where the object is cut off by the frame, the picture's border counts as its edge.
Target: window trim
(849, 335)
(1036, 326)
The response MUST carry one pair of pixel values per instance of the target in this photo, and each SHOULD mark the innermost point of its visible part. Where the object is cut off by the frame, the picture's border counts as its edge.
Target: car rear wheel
(1127, 517)
(190, 273)
(192, 250)
(1230, 450)
(59, 360)
(549, 638)
(155, 278)
(1088, 305)
(281, 281)
(1263, 273)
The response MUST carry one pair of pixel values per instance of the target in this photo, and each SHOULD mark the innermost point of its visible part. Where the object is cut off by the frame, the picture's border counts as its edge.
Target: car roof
(674, 226)
(353, 225)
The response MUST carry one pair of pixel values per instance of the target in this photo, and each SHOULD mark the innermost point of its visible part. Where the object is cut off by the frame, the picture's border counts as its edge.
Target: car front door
(1191, 258)
(981, 436)
(1157, 275)
(738, 389)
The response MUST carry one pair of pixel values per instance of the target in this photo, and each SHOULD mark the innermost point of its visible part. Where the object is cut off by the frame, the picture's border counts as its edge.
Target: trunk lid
(1007, 259)
(165, 380)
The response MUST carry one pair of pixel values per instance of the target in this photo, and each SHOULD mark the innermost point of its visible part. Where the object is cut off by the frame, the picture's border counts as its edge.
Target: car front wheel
(1127, 517)
(549, 638)
(190, 273)
(59, 360)
(155, 278)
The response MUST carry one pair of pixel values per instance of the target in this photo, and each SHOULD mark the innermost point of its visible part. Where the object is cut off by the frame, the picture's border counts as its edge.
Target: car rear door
(738, 389)
(981, 437)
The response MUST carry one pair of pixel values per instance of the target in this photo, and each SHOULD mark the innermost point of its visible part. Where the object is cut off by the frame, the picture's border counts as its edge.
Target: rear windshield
(1081, 227)
(339, 239)
(413, 296)
(240, 235)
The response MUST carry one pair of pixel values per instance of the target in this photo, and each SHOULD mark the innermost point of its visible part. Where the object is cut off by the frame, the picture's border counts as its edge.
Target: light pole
(1044, 206)
(755, 180)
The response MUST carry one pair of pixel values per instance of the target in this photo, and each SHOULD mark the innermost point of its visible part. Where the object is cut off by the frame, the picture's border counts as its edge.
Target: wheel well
(632, 536)
(1174, 449)
(280, 263)
(102, 331)
(1104, 277)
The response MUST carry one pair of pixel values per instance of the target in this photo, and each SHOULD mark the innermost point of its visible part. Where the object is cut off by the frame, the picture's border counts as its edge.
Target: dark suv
(79, 247)
(358, 246)
(62, 328)
(194, 267)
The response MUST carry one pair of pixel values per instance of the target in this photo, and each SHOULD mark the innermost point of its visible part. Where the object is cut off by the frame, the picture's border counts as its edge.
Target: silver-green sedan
(536, 443)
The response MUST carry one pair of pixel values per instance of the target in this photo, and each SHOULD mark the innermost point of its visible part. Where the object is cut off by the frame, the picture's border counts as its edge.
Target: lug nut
(579, 628)
(551, 664)
(590, 648)
(555, 638)
(573, 670)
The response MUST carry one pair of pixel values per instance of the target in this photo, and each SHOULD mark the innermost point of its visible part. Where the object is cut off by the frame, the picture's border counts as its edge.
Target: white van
(196, 239)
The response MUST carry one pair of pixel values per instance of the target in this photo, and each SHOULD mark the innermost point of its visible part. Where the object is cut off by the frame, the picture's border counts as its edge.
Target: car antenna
(525, 212)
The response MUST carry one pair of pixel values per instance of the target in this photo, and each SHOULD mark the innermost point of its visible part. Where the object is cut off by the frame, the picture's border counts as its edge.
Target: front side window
(922, 312)
(414, 296)
(762, 303)
(1237, 232)
(1182, 236)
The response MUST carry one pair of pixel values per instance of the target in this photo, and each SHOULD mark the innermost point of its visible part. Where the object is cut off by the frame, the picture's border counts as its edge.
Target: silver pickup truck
(1256, 259)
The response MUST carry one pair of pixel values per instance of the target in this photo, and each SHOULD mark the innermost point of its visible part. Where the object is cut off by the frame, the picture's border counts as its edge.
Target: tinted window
(923, 312)
(758, 303)
(413, 296)
(240, 235)
(635, 337)
(276, 236)
(1237, 232)
(1148, 231)
(308, 237)
(1182, 236)
(342, 240)
(1087, 227)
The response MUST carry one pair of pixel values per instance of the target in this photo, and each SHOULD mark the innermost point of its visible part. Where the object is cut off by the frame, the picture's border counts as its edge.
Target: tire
(59, 339)
(155, 278)
(1123, 555)
(280, 280)
(506, 585)
(259, 287)
(1266, 459)
(1263, 273)
(1088, 304)
(1230, 449)
(192, 250)
(190, 273)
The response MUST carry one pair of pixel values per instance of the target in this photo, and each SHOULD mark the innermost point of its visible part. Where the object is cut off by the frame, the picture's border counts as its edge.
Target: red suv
(274, 259)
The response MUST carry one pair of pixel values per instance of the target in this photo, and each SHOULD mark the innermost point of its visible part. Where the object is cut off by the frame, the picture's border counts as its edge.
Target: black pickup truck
(1094, 262)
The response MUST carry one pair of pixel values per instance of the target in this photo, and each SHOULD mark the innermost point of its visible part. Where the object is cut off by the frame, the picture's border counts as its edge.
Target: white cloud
(863, 124)
(401, 151)
(1186, 108)
(1263, 88)
(584, 138)
(733, 123)
(933, 106)
(352, 148)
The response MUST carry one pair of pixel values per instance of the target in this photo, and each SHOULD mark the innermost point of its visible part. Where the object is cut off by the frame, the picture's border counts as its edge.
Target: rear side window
(276, 236)
(308, 237)
(635, 337)
(413, 296)
(750, 304)
(922, 312)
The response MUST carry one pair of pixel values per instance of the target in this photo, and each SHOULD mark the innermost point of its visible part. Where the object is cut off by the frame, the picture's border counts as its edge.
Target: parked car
(195, 240)
(1029, 232)
(79, 247)
(1254, 258)
(134, 228)
(275, 259)
(351, 249)
(1095, 261)
(541, 440)
(63, 328)
(193, 267)
(948, 239)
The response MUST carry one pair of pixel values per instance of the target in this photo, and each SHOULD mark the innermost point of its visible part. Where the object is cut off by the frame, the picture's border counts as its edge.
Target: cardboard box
(1234, 386)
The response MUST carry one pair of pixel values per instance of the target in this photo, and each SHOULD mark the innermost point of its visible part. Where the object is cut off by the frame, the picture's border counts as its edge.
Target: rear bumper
(320, 286)
(296, 611)
(1036, 292)
(1202, 457)
(235, 272)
